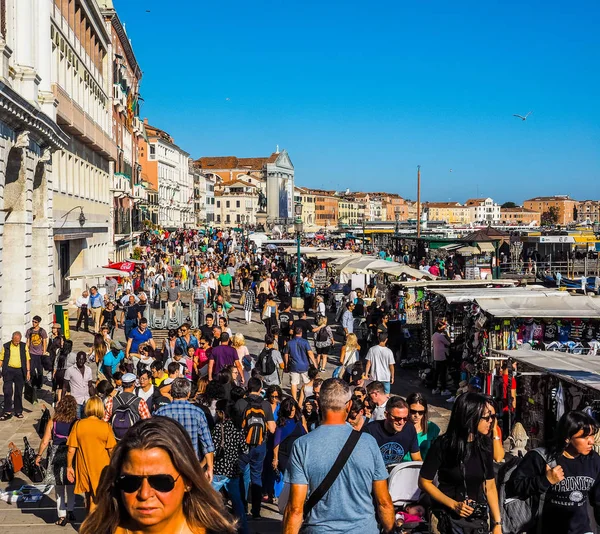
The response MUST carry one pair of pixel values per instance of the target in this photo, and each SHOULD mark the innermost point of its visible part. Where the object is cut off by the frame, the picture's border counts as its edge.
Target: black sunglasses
(491, 417)
(417, 412)
(132, 483)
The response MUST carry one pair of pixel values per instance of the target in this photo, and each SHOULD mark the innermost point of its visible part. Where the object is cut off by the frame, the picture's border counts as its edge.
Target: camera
(480, 509)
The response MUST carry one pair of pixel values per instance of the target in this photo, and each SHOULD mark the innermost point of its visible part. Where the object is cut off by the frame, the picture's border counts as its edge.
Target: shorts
(324, 351)
(295, 378)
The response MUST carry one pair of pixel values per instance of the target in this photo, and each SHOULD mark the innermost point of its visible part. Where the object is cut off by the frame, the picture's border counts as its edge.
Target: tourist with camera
(465, 501)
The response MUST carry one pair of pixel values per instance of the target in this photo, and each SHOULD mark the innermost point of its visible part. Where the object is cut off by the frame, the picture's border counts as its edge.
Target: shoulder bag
(334, 472)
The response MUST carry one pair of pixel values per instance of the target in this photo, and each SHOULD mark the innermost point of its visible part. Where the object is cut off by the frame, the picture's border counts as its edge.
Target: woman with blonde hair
(99, 350)
(238, 342)
(350, 351)
(153, 484)
(90, 443)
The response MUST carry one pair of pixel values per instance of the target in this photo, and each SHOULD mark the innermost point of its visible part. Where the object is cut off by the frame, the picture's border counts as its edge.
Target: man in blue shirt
(296, 358)
(96, 303)
(192, 418)
(357, 495)
(137, 336)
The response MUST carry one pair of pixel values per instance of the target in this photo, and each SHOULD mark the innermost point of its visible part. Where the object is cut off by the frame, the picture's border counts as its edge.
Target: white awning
(100, 272)
(560, 307)
(398, 269)
(575, 368)
(453, 296)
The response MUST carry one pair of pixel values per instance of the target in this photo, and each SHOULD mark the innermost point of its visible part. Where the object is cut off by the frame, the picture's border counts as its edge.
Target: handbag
(36, 473)
(7, 473)
(43, 422)
(30, 393)
(16, 458)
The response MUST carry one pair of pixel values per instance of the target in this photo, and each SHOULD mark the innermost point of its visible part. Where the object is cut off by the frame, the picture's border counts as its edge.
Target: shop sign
(556, 239)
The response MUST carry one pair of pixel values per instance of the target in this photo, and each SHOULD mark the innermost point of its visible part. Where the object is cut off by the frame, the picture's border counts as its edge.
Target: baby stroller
(403, 485)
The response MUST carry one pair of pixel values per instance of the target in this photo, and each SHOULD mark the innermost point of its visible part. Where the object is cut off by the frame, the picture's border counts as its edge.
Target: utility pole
(418, 201)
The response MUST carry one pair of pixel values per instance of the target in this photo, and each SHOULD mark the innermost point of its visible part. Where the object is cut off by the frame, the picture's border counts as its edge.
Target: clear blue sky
(360, 93)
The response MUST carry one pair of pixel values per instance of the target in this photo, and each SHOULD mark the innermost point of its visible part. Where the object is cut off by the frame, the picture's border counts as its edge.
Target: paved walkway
(39, 518)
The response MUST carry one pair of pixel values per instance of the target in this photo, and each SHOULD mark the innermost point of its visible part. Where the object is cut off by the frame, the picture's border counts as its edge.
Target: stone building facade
(29, 135)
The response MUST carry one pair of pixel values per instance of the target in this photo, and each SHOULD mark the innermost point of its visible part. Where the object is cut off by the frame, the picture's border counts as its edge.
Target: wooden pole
(418, 201)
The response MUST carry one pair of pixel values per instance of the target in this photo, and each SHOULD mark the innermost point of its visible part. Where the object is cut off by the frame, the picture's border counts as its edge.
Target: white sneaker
(435, 391)
(445, 393)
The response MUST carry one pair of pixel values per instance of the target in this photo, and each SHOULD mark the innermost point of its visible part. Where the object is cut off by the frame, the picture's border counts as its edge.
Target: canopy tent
(458, 283)
(343, 261)
(365, 264)
(571, 307)
(575, 368)
(398, 269)
(124, 266)
(99, 272)
(453, 296)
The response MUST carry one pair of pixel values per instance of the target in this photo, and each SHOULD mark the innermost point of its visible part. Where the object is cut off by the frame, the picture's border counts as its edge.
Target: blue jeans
(80, 408)
(253, 462)
(130, 324)
(387, 387)
(232, 485)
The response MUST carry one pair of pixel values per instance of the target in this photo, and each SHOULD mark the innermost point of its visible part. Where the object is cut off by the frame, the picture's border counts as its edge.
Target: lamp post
(297, 301)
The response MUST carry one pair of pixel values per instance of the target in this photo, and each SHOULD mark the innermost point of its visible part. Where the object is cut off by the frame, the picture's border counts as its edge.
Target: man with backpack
(269, 362)
(256, 417)
(125, 409)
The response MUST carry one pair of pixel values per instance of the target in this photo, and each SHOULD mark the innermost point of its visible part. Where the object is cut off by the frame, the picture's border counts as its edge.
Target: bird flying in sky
(521, 116)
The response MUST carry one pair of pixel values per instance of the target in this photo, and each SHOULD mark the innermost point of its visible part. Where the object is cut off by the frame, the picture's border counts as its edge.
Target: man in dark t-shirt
(303, 323)
(395, 435)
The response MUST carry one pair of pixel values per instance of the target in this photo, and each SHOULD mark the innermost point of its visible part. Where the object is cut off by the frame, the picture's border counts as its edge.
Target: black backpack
(265, 362)
(124, 414)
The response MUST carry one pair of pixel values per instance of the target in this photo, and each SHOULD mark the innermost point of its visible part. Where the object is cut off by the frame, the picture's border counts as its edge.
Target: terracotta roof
(273, 157)
(474, 201)
(233, 182)
(256, 164)
(218, 162)
(554, 198)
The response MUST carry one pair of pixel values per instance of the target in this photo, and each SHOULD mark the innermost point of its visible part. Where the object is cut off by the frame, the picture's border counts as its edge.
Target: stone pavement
(39, 518)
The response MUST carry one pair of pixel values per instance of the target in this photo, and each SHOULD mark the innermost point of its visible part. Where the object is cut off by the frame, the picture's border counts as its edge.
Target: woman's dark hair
(172, 333)
(467, 411)
(104, 388)
(202, 506)
(214, 391)
(285, 411)
(356, 406)
(570, 424)
(237, 393)
(360, 390)
(225, 406)
(418, 398)
(66, 410)
(224, 376)
(313, 372)
(273, 389)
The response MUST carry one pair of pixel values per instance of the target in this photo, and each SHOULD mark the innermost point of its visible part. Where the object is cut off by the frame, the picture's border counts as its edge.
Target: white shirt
(145, 394)
(381, 358)
(378, 413)
(82, 301)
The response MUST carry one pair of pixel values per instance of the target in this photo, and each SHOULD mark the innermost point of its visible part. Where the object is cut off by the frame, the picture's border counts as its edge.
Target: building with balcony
(81, 73)
(167, 167)
(129, 191)
(566, 208)
(199, 194)
(309, 213)
(483, 211)
(326, 208)
(210, 199)
(350, 211)
(29, 137)
(236, 203)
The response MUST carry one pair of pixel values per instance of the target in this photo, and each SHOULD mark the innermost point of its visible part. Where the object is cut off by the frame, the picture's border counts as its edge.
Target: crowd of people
(160, 437)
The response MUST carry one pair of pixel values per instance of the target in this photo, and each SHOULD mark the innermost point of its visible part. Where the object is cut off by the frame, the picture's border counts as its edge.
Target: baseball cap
(475, 382)
(129, 378)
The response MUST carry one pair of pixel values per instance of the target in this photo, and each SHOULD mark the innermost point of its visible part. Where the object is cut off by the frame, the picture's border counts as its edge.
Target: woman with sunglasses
(427, 431)
(153, 484)
(169, 345)
(466, 495)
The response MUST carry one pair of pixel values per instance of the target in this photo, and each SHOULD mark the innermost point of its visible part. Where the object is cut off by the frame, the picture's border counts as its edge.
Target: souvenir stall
(550, 383)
